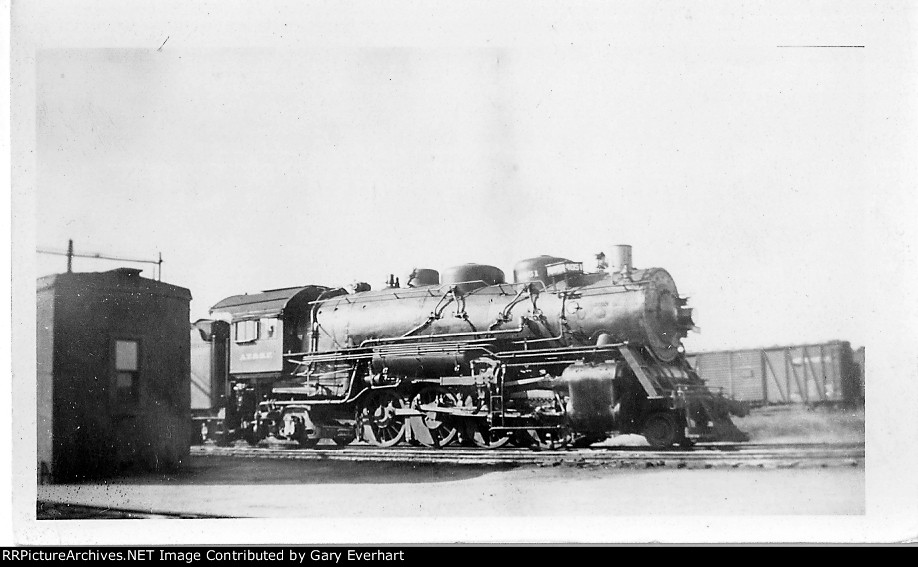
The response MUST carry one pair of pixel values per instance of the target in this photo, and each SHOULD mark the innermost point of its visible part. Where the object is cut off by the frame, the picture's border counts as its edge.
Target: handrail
(411, 291)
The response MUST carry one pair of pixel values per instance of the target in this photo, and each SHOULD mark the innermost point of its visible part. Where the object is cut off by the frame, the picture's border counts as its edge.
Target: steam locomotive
(558, 356)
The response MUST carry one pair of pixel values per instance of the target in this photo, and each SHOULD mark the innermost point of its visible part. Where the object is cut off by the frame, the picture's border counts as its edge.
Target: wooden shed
(113, 374)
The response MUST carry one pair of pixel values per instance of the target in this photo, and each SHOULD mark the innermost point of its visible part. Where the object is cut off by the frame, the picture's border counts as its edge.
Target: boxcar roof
(770, 347)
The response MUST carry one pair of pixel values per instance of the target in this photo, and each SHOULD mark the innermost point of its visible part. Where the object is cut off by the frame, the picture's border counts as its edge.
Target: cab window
(245, 331)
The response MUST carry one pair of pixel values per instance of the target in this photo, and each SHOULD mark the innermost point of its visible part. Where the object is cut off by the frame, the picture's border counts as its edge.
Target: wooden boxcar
(809, 373)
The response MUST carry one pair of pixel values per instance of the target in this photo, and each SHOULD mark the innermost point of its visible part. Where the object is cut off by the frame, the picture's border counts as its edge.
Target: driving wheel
(378, 416)
(442, 426)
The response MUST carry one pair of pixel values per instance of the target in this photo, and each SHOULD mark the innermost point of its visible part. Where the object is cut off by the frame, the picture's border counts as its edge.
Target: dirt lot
(239, 487)
(799, 424)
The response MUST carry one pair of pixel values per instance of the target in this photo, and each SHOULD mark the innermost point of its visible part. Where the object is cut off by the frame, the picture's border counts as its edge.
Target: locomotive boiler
(559, 355)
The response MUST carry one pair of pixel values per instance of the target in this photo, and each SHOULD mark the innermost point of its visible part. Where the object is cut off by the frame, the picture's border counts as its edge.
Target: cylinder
(591, 396)
(619, 258)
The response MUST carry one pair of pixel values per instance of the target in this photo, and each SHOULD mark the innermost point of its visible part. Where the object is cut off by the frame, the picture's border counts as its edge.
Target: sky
(326, 147)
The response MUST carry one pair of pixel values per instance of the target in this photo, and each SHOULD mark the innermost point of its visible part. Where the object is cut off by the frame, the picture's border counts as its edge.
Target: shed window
(127, 372)
(245, 331)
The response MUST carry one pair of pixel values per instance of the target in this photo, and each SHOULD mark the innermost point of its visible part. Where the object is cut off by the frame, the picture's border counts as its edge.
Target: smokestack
(619, 259)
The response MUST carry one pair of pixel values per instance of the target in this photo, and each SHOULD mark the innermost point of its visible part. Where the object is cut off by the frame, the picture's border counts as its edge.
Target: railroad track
(720, 455)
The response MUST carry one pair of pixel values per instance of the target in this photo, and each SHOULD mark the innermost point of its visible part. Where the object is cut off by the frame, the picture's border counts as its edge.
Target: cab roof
(271, 303)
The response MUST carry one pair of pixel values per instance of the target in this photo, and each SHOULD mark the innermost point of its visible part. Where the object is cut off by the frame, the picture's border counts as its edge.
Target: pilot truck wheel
(662, 429)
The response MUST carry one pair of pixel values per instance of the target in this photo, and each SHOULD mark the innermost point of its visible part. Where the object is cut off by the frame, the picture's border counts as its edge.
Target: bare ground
(280, 488)
(800, 424)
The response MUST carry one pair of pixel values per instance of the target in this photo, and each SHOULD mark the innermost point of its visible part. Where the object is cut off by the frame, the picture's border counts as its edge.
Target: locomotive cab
(261, 329)
(264, 327)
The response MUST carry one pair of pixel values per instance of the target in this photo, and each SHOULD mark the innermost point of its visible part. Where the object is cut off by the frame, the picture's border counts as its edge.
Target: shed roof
(117, 281)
